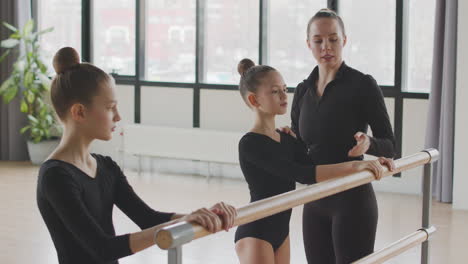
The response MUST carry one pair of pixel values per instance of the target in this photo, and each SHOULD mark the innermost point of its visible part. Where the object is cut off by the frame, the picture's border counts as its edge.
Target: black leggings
(341, 228)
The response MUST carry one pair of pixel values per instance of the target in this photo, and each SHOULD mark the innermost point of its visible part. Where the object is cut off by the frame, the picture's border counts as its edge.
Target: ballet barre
(398, 247)
(173, 236)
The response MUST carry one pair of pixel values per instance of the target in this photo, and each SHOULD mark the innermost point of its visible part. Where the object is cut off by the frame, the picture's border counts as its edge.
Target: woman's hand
(220, 216)
(362, 145)
(375, 166)
(226, 212)
(287, 130)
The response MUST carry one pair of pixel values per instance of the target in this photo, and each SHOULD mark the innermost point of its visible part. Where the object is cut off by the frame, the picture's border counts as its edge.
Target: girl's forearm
(146, 238)
(332, 171)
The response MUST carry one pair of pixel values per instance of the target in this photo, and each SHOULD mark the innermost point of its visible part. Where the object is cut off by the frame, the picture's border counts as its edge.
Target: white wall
(224, 110)
(167, 106)
(460, 193)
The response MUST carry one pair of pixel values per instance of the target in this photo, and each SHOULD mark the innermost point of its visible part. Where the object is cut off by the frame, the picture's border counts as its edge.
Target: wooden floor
(24, 237)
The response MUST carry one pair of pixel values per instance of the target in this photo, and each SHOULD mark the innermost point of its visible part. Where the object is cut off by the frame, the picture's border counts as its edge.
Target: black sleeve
(295, 109)
(275, 163)
(300, 151)
(132, 205)
(63, 194)
(383, 140)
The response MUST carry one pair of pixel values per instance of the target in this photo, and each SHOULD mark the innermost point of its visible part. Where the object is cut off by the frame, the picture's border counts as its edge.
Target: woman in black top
(273, 162)
(76, 190)
(331, 111)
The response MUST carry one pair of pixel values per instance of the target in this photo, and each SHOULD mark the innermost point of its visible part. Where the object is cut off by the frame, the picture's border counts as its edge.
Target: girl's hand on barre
(206, 218)
(375, 166)
(287, 130)
(226, 212)
(387, 162)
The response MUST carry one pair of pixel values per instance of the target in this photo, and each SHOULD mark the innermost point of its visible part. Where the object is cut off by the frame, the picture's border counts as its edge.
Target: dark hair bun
(65, 59)
(327, 10)
(244, 65)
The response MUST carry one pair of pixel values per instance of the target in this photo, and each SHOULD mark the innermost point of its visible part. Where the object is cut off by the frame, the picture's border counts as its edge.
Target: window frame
(395, 91)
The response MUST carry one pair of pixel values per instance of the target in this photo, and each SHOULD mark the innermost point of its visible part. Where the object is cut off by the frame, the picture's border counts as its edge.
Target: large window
(222, 32)
(370, 28)
(65, 17)
(420, 42)
(231, 34)
(114, 36)
(230, 31)
(287, 48)
(170, 41)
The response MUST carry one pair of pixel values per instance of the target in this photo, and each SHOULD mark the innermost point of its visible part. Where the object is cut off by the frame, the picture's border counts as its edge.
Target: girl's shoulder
(252, 141)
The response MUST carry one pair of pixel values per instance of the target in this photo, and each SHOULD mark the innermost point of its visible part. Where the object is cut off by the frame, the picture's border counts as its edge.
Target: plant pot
(38, 152)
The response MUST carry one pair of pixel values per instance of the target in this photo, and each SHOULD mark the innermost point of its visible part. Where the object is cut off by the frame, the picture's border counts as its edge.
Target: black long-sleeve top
(270, 167)
(77, 210)
(350, 103)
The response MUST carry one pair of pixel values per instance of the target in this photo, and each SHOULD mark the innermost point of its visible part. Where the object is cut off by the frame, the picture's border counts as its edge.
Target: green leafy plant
(30, 81)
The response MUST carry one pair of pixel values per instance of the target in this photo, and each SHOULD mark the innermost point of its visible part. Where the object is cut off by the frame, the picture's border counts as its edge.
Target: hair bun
(244, 65)
(65, 59)
(326, 10)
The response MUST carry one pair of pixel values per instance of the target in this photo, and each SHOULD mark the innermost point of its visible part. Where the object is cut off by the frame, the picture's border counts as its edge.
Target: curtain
(441, 116)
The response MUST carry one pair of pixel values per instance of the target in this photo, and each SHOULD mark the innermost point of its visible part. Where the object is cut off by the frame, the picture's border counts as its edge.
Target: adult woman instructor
(331, 112)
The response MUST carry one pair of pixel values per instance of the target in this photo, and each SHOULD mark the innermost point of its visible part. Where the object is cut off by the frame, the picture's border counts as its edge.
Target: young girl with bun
(77, 190)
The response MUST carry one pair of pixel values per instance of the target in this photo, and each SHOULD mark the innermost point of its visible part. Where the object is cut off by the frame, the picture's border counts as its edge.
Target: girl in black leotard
(77, 191)
(273, 162)
(331, 111)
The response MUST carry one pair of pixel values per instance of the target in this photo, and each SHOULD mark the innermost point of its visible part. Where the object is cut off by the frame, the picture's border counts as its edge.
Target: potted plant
(30, 81)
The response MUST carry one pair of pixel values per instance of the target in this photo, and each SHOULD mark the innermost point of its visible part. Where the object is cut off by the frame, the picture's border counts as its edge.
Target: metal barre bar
(398, 247)
(184, 232)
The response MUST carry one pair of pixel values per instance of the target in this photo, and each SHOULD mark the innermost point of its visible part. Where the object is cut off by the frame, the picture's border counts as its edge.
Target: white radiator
(181, 143)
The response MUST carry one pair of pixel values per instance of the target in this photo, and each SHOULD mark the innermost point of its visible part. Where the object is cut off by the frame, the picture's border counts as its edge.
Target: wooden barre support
(184, 232)
(398, 247)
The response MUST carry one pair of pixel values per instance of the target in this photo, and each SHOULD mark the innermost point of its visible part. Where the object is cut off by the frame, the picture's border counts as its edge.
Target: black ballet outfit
(77, 210)
(271, 168)
(341, 228)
